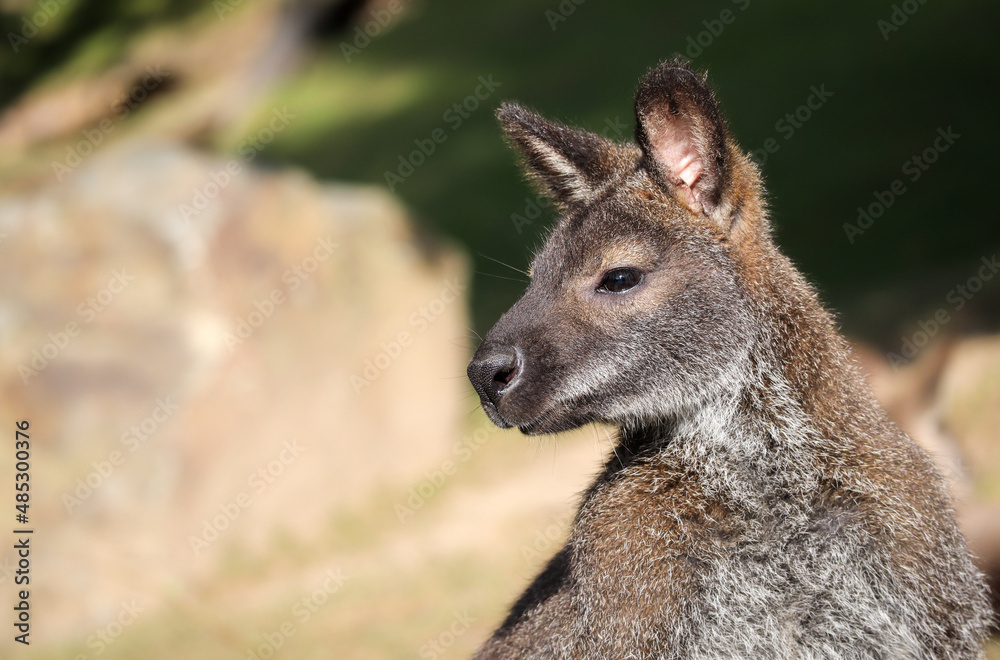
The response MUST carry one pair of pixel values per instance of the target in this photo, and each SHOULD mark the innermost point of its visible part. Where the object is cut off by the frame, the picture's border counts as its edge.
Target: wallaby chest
(709, 578)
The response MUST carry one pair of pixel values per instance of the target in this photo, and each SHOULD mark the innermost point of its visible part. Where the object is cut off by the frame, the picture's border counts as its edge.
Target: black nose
(493, 371)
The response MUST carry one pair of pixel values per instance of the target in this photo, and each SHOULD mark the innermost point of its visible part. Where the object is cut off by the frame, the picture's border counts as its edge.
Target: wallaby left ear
(684, 138)
(570, 165)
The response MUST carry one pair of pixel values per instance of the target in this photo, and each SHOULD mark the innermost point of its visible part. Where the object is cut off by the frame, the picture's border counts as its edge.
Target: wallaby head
(636, 308)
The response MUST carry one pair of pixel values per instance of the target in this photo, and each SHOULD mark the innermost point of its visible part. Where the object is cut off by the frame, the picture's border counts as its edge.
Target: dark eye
(619, 279)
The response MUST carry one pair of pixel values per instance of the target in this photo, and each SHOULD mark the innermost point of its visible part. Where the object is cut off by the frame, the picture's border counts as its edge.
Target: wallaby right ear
(571, 165)
(684, 138)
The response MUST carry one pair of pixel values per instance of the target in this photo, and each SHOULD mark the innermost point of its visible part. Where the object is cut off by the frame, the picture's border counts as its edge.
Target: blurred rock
(213, 359)
(948, 400)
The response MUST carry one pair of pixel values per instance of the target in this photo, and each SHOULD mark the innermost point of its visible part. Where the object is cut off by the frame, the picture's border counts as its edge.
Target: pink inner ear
(679, 156)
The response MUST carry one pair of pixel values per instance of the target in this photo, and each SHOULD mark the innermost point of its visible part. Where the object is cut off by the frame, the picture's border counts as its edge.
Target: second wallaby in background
(759, 504)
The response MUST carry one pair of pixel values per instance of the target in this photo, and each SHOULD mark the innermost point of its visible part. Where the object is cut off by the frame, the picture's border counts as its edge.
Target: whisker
(523, 272)
(614, 449)
(597, 442)
(502, 277)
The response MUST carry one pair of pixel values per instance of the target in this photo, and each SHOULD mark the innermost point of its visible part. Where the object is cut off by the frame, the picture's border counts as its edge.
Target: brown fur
(759, 503)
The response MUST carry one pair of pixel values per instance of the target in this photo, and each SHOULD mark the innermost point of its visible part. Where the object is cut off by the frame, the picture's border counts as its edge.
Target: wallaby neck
(776, 426)
(801, 360)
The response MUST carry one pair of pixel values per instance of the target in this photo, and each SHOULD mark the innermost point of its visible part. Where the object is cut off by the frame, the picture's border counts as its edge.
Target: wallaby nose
(493, 371)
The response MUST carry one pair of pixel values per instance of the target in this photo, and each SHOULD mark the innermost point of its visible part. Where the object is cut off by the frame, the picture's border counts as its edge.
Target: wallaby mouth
(497, 373)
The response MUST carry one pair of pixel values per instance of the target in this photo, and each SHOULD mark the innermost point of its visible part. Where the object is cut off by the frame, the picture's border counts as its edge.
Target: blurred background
(247, 245)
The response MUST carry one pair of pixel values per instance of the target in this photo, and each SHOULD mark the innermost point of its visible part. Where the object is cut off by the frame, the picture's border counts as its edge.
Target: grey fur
(759, 504)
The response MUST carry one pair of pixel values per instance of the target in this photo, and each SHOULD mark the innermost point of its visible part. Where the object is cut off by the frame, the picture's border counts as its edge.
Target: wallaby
(759, 503)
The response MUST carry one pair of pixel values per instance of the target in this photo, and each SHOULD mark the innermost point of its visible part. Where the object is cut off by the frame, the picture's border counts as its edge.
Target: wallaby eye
(618, 280)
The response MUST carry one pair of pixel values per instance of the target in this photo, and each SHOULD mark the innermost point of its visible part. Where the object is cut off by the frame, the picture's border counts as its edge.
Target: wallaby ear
(684, 138)
(571, 165)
